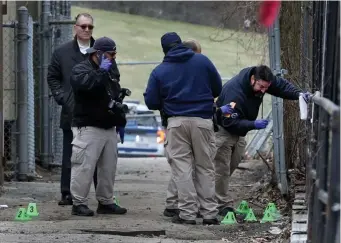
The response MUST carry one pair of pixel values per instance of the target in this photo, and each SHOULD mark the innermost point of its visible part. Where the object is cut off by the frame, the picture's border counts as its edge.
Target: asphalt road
(140, 187)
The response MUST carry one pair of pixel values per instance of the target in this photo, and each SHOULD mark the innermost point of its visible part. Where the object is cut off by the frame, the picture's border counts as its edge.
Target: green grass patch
(138, 39)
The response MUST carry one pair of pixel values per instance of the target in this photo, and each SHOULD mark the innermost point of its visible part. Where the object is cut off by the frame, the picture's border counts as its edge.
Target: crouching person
(95, 84)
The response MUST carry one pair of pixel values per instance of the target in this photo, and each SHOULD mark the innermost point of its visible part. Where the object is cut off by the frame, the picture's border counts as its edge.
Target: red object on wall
(268, 12)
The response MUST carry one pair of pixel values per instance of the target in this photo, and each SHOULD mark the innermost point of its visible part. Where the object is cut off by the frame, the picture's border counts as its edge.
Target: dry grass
(138, 39)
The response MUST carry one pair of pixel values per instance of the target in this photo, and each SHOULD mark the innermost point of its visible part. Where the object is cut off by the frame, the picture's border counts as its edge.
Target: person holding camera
(97, 116)
(64, 58)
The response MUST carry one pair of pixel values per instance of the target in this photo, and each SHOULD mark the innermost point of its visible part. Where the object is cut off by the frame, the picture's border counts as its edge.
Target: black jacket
(239, 90)
(64, 58)
(90, 86)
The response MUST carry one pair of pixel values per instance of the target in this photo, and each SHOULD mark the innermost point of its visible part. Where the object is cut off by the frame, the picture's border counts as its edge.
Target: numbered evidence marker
(116, 201)
(243, 207)
(32, 210)
(22, 215)
(229, 219)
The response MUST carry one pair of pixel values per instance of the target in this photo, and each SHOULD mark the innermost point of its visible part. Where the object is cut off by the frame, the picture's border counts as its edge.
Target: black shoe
(66, 200)
(110, 209)
(225, 210)
(177, 220)
(82, 210)
(210, 222)
(170, 212)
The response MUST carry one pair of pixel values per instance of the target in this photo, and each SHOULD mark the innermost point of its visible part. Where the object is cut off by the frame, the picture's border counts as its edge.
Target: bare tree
(292, 60)
(242, 17)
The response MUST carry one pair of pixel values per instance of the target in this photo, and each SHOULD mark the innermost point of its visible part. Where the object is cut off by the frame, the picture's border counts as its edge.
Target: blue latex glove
(306, 96)
(227, 109)
(105, 63)
(261, 124)
(120, 130)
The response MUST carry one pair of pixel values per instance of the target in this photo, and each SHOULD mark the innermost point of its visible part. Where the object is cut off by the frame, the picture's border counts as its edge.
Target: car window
(148, 121)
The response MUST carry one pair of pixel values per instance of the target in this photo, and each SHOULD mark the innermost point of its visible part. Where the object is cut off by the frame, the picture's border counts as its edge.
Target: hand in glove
(105, 63)
(120, 130)
(226, 109)
(306, 96)
(261, 124)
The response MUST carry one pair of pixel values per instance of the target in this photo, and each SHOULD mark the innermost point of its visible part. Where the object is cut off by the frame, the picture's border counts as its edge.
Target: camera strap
(108, 87)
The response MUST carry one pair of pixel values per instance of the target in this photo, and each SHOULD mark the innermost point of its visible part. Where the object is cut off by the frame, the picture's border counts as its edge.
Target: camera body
(116, 106)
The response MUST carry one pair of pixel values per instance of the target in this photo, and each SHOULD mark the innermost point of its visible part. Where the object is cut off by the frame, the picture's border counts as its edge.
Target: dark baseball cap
(170, 40)
(102, 44)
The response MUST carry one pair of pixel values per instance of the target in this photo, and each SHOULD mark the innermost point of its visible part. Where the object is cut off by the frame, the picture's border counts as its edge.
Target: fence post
(31, 102)
(22, 42)
(1, 105)
(44, 89)
(277, 110)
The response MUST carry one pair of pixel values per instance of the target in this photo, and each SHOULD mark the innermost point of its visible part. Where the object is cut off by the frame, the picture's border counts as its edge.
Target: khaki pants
(230, 149)
(190, 144)
(93, 146)
(172, 199)
(172, 192)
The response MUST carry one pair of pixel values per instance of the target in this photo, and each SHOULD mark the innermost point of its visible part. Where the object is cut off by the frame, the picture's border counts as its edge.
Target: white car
(144, 137)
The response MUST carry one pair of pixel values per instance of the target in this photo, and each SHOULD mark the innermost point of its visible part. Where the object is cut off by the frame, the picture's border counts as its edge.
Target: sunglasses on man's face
(111, 53)
(84, 26)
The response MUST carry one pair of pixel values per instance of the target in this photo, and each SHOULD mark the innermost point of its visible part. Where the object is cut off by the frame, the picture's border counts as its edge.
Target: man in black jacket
(96, 88)
(63, 60)
(246, 90)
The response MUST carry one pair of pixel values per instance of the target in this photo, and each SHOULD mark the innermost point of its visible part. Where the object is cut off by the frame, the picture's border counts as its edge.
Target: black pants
(66, 163)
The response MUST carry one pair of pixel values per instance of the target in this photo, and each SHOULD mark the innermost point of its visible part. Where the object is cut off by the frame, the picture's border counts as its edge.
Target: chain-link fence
(61, 33)
(18, 95)
(9, 96)
(31, 119)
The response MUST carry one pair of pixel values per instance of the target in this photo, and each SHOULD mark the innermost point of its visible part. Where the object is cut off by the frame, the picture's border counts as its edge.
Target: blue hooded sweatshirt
(184, 84)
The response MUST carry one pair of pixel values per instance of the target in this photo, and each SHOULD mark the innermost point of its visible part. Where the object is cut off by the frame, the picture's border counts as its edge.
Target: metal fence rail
(323, 165)
(30, 102)
(277, 111)
(2, 179)
(22, 78)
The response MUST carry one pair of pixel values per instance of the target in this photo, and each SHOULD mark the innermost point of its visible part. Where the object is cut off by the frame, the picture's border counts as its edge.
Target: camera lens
(128, 92)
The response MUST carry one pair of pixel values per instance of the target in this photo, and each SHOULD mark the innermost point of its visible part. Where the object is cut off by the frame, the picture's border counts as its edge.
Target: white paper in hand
(303, 108)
